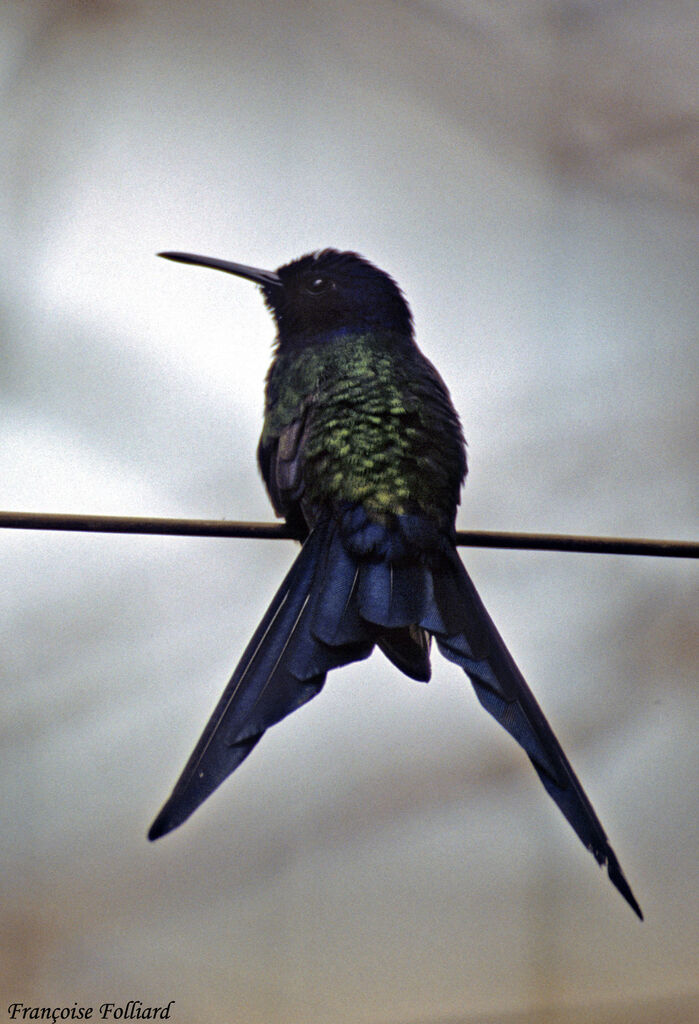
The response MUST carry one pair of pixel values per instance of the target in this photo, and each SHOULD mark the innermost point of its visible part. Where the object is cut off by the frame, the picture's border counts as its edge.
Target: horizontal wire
(277, 531)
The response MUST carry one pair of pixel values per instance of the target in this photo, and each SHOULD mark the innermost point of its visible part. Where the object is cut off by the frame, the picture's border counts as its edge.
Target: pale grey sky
(386, 854)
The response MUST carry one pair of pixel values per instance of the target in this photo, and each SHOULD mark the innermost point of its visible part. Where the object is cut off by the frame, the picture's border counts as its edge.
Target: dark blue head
(329, 292)
(323, 295)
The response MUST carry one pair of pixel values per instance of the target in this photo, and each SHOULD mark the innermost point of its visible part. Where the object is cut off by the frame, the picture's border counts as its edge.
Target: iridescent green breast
(379, 426)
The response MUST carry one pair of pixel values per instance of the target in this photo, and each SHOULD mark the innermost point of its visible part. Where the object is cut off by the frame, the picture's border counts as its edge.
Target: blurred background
(528, 173)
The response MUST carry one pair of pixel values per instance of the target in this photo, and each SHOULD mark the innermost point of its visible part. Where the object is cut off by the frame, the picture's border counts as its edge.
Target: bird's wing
(281, 464)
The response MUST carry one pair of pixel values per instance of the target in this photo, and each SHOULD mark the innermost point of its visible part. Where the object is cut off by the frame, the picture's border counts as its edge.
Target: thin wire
(276, 531)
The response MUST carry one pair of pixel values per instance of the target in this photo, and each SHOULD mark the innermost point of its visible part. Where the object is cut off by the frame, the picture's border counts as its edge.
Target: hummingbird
(362, 453)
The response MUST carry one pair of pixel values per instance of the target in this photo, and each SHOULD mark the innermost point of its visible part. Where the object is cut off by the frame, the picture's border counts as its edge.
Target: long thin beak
(266, 278)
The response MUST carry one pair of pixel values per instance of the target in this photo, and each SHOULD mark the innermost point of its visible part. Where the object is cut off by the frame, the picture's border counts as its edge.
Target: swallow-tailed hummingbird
(363, 454)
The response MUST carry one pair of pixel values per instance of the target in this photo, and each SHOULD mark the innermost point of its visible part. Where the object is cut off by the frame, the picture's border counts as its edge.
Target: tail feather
(503, 692)
(283, 667)
(392, 595)
(409, 650)
(447, 612)
(336, 619)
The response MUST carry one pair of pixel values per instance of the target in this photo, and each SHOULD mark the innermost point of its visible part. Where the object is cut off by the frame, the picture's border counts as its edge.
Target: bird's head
(322, 296)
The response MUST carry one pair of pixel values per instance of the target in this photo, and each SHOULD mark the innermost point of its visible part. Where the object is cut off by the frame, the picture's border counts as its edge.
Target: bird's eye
(319, 285)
